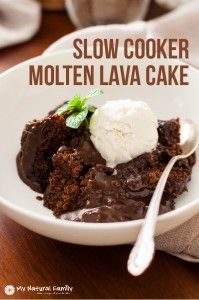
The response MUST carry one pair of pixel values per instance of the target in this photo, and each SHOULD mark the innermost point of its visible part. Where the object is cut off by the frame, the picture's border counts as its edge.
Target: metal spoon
(142, 253)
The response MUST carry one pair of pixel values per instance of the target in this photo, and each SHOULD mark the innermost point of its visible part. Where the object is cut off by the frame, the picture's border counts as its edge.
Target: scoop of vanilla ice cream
(123, 129)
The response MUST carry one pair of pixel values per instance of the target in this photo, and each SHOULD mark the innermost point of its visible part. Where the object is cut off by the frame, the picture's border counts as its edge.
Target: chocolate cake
(40, 140)
(63, 164)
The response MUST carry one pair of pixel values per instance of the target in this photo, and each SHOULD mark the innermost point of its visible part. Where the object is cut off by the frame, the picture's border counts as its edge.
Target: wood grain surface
(27, 258)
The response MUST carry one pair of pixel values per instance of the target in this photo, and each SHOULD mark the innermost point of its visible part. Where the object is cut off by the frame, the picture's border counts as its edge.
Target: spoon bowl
(189, 138)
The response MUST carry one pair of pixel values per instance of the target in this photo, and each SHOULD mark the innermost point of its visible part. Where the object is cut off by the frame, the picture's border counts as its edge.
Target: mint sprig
(77, 110)
(77, 118)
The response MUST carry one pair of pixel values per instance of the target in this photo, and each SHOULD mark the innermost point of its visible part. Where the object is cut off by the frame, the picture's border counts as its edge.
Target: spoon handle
(142, 253)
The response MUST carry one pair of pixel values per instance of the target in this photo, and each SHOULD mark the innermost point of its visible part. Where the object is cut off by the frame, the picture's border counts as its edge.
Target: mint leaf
(60, 111)
(75, 102)
(76, 110)
(91, 109)
(83, 102)
(70, 106)
(96, 92)
(76, 118)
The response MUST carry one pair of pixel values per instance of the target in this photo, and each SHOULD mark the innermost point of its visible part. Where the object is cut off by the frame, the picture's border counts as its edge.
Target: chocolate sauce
(64, 165)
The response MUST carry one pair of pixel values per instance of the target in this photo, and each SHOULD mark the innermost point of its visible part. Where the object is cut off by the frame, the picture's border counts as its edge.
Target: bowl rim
(91, 225)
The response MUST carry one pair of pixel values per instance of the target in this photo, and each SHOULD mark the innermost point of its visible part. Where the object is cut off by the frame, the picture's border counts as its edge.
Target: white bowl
(21, 102)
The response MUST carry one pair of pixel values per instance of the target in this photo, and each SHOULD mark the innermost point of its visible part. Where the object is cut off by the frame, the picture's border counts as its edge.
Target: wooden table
(94, 272)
